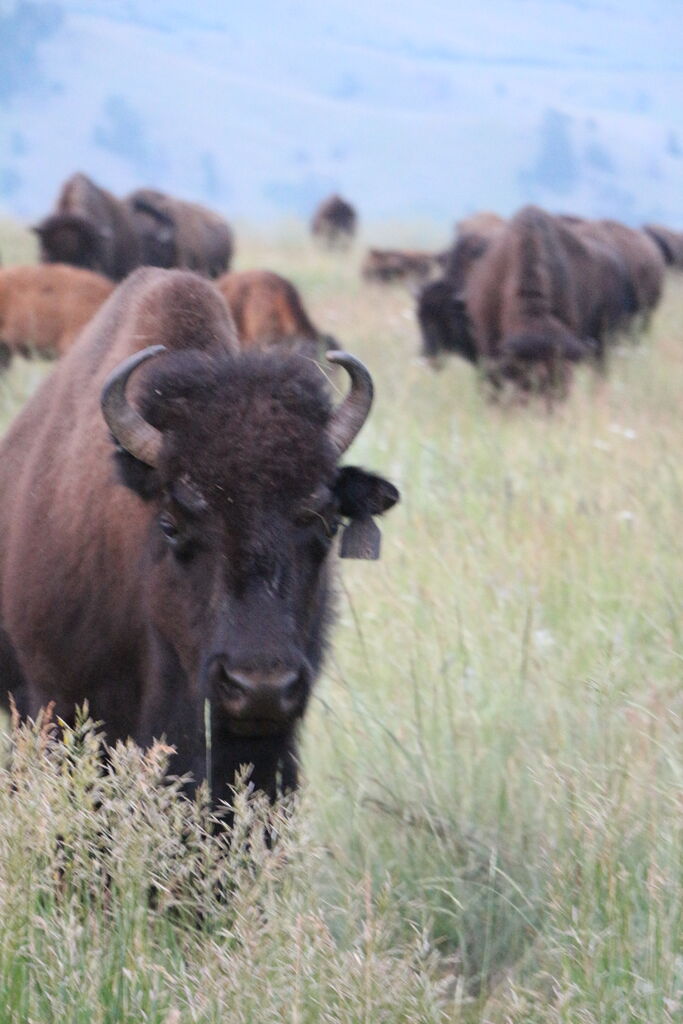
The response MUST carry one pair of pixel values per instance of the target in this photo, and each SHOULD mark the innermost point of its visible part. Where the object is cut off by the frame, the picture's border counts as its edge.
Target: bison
(175, 233)
(334, 222)
(524, 301)
(43, 308)
(527, 298)
(268, 311)
(168, 507)
(385, 265)
(90, 228)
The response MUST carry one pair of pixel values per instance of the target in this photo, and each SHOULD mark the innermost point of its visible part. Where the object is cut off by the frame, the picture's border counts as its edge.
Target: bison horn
(349, 417)
(128, 427)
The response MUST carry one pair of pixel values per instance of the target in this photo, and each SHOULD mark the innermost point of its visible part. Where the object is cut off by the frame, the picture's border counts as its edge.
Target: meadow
(491, 823)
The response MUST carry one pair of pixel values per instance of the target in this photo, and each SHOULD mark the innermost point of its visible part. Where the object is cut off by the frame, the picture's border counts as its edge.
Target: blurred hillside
(428, 110)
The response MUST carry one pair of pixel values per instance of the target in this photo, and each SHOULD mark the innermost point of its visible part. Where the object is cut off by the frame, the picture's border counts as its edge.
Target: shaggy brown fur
(334, 222)
(181, 234)
(525, 305)
(643, 259)
(474, 236)
(268, 311)
(151, 592)
(529, 297)
(43, 308)
(90, 228)
(607, 297)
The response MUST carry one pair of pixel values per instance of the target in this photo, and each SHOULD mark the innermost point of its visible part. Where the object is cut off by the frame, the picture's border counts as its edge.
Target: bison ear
(362, 494)
(136, 475)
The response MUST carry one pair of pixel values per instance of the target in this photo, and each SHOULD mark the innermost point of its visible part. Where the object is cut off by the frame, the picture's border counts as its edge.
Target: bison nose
(246, 693)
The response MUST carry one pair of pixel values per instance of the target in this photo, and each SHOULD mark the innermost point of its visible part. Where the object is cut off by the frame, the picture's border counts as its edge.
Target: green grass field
(491, 823)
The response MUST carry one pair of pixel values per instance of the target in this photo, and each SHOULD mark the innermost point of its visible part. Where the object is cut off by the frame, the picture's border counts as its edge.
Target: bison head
(67, 238)
(538, 359)
(238, 457)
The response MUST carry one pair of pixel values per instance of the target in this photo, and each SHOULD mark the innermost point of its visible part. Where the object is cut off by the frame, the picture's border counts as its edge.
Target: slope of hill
(432, 111)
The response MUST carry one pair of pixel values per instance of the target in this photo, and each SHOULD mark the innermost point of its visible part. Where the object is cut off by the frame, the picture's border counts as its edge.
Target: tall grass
(491, 822)
(121, 903)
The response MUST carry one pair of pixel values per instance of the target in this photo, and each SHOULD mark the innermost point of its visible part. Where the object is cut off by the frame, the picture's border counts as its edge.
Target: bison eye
(326, 520)
(169, 529)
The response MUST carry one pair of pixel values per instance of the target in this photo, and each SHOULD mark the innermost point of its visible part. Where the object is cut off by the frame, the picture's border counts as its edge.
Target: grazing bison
(386, 265)
(176, 233)
(166, 532)
(43, 308)
(93, 229)
(524, 302)
(268, 311)
(90, 228)
(334, 222)
(527, 298)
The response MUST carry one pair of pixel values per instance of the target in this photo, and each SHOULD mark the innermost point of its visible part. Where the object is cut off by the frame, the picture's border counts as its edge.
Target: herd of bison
(521, 299)
(170, 495)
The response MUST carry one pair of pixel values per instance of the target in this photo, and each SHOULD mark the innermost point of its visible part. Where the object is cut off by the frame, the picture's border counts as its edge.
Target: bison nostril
(290, 690)
(234, 692)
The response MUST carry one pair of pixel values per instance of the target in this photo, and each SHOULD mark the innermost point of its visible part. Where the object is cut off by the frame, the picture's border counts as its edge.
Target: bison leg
(12, 679)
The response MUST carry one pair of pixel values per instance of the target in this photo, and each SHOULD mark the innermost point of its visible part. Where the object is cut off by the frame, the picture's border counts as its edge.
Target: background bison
(268, 311)
(386, 265)
(334, 222)
(177, 557)
(92, 228)
(43, 308)
(525, 299)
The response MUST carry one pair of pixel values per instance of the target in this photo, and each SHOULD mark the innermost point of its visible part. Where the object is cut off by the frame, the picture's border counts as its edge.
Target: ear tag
(361, 539)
